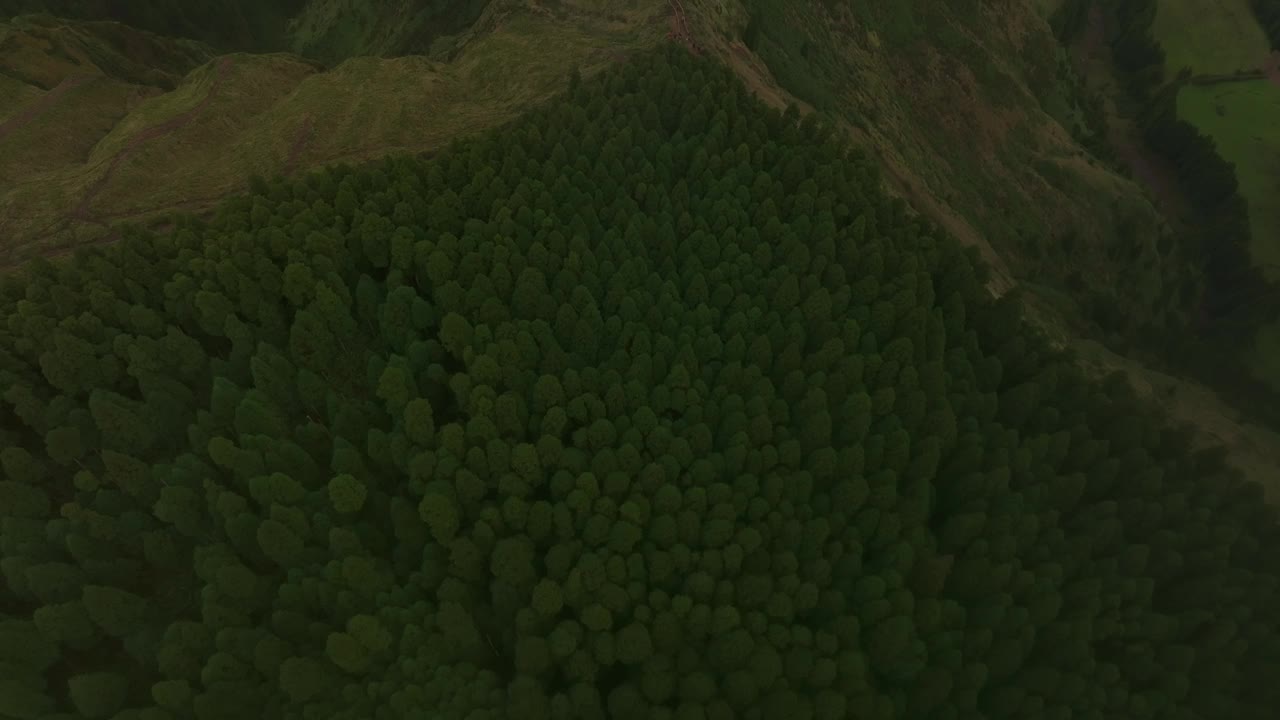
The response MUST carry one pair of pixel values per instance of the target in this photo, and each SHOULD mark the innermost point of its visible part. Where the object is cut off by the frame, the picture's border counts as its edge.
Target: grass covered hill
(92, 146)
(970, 109)
(253, 25)
(1209, 37)
(327, 30)
(649, 405)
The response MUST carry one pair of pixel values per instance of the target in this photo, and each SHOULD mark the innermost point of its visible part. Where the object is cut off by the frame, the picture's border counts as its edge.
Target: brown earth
(303, 136)
(1271, 67)
(1156, 175)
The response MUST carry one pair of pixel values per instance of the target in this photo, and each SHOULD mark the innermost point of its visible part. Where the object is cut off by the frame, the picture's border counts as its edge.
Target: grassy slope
(241, 114)
(1252, 448)
(67, 86)
(41, 51)
(1212, 37)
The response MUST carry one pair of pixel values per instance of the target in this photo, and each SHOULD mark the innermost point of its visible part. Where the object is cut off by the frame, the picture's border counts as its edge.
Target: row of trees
(1136, 52)
(1069, 19)
(1220, 217)
(384, 28)
(1237, 298)
(1268, 14)
(650, 405)
(1235, 287)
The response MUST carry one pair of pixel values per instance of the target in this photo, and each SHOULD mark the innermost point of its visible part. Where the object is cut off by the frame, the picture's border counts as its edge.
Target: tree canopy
(649, 405)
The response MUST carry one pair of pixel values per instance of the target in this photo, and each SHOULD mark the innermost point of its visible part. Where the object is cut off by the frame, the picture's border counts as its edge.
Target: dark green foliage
(782, 35)
(98, 695)
(1069, 19)
(1238, 299)
(265, 25)
(1221, 215)
(1234, 285)
(1268, 14)
(647, 425)
(231, 24)
(1137, 53)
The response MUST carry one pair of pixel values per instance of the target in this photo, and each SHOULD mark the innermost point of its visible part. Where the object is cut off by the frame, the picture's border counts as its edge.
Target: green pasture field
(1212, 37)
(1243, 118)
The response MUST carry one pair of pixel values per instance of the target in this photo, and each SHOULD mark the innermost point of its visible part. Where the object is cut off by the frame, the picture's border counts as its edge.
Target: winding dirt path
(35, 109)
(81, 211)
(303, 136)
(680, 28)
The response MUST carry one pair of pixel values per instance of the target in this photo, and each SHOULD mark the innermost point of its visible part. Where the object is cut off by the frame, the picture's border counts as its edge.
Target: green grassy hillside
(257, 25)
(41, 51)
(146, 153)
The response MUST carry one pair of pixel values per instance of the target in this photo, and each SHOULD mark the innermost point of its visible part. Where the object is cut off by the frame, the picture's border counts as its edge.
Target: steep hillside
(146, 153)
(985, 133)
(255, 25)
(333, 30)
(1209, 37)
(37, 52)
(648, 406)
(973, 121)
(975, 115)
(328, 30)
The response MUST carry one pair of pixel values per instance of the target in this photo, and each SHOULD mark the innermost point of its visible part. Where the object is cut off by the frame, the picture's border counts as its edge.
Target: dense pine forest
(649, 405)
